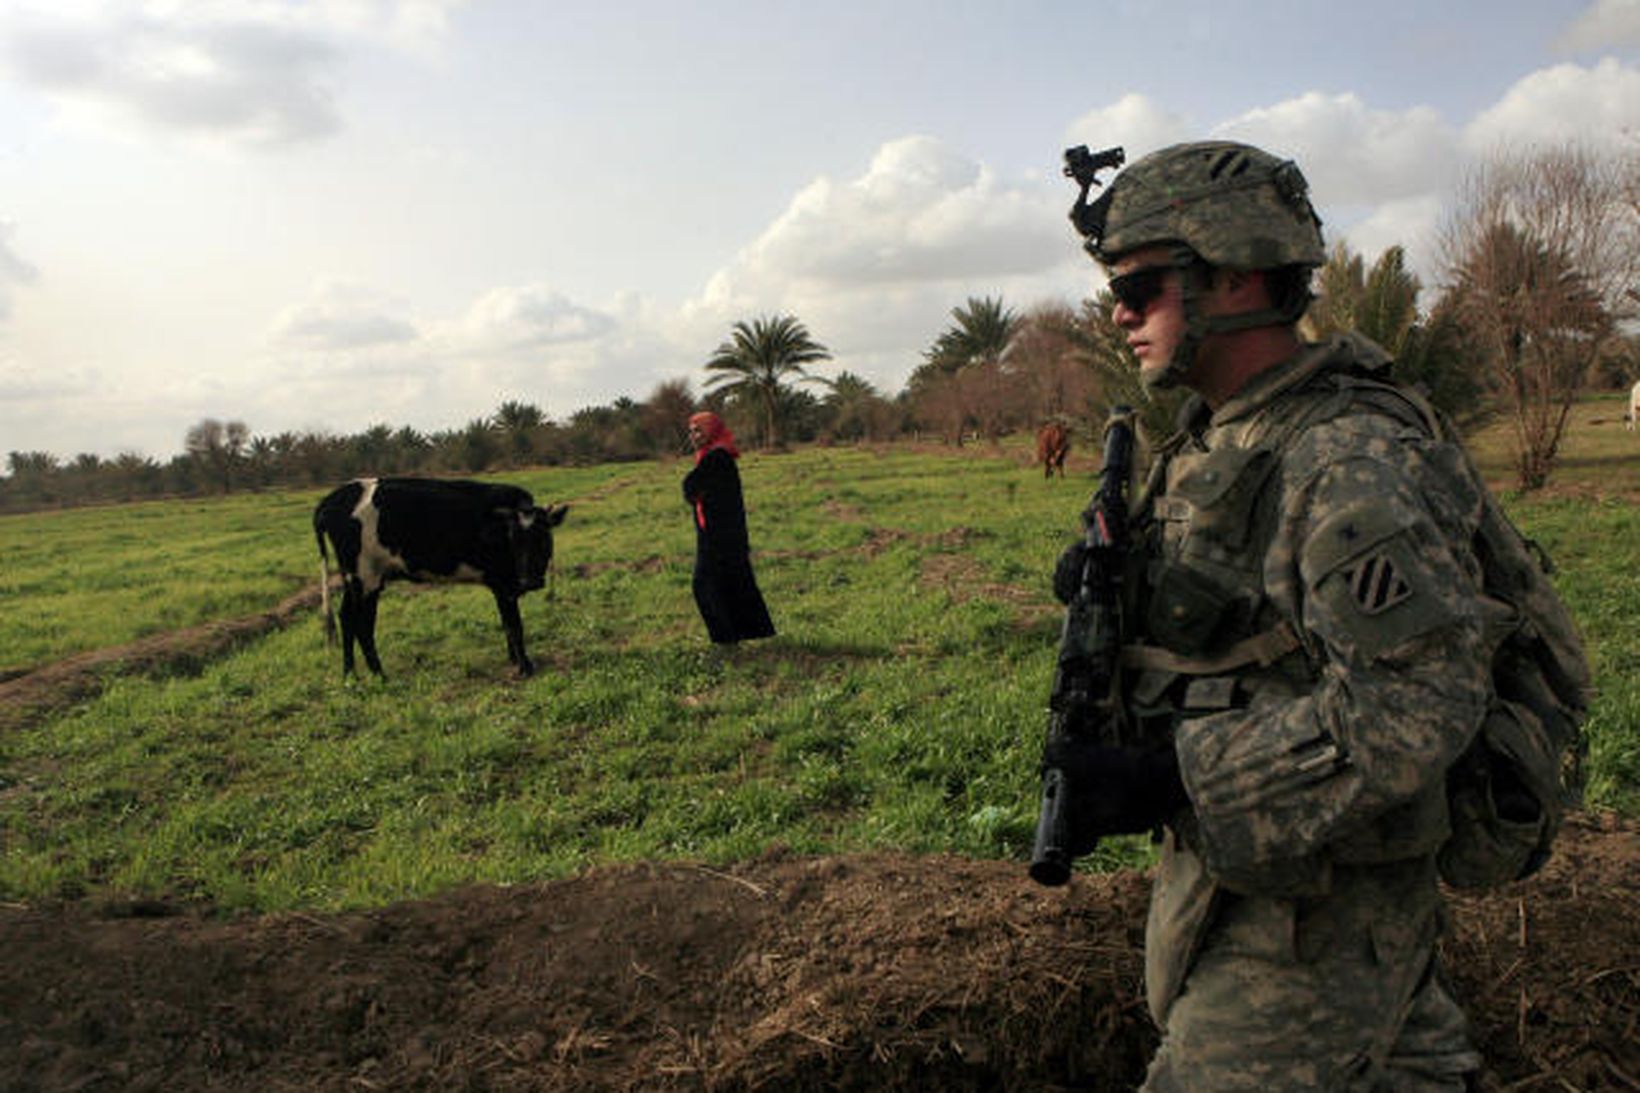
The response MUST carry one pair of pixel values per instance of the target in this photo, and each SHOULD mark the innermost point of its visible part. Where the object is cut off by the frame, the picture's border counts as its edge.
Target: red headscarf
(716, 434)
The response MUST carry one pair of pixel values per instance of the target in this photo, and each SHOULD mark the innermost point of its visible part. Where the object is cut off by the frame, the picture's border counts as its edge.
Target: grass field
(900, 707)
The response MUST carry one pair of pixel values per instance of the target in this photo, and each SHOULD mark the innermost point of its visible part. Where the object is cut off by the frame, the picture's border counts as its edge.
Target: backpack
(1508, 792)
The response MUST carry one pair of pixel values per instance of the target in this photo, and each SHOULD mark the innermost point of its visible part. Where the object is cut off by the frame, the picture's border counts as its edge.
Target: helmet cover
(1234, 205)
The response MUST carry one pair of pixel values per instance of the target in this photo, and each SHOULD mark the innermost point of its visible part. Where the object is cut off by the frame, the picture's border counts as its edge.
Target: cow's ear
(556, 514)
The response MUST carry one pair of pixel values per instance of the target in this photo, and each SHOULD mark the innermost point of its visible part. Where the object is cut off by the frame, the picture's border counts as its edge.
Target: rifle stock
(1082, 702)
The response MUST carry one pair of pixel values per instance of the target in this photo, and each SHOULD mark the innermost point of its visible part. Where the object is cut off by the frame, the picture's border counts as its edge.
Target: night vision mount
(1084, 166)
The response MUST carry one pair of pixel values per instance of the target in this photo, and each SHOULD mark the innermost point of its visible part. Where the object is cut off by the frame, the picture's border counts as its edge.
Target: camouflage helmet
(1234, 205)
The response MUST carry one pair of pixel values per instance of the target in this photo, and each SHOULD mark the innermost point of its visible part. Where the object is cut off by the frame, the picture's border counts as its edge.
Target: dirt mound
(871, 972)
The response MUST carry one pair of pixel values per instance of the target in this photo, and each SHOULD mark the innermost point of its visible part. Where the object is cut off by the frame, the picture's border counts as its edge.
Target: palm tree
(957, 383)
(1340, 284)
(1389, 301)
(759, 358)
(853, 402)
(1381, 303)
(371, 451)
(517, 422)
(477, 445)
(513, 416)
(980, 334)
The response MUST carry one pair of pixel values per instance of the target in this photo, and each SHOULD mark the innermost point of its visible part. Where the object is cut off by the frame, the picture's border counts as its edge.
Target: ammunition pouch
(1220, 489)
(1187, 609)
(1503, 794)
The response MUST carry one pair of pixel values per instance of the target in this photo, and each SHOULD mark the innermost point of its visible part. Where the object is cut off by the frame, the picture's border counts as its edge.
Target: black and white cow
(426, 529)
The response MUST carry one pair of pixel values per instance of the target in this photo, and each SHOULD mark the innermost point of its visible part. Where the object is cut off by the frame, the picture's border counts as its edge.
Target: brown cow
(1053, 443)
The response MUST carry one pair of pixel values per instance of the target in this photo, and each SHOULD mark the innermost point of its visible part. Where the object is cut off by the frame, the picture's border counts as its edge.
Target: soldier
(1304, 623)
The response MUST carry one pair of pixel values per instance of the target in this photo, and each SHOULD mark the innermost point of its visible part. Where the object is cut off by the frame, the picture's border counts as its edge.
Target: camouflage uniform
(1311, 634)
(1307, 628)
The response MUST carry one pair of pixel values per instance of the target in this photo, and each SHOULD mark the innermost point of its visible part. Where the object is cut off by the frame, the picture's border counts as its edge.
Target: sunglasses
(1138, 289)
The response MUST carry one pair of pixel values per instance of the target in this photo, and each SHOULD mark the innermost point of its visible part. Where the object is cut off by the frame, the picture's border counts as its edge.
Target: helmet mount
(1084, 166)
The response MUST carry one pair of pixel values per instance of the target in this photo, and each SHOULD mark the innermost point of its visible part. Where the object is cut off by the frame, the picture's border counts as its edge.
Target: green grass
(1596, 547)
(83, 578)
(901, 707)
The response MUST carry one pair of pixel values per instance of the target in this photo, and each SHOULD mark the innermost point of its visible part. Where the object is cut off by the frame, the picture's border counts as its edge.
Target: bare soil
(880, 972)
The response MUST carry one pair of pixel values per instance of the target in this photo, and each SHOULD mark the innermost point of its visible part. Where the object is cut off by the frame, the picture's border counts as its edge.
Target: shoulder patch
(1372, 588)
(1348, 536)
(1376, 584)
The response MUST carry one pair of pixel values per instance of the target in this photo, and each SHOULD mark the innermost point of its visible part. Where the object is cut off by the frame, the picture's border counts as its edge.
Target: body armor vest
(1209, 635)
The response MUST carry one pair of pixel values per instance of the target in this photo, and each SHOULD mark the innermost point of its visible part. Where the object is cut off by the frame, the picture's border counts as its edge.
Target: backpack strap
(1263, 649)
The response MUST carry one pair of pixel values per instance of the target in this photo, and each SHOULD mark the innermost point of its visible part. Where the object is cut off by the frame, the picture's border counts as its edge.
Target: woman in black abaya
(725, 590)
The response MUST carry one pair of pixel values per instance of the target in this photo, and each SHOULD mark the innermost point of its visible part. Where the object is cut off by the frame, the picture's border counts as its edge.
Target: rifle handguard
(1089, 647)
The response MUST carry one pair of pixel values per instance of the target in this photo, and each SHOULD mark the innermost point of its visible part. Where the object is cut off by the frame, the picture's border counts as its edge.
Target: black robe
(725, 590)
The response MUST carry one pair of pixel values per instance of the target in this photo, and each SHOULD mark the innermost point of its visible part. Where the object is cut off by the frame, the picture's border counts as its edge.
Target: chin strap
(1198, 327)
(1187, 262)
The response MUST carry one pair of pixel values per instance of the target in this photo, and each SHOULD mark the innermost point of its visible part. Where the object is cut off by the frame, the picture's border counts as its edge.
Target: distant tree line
(225, 456)
(1538, 304)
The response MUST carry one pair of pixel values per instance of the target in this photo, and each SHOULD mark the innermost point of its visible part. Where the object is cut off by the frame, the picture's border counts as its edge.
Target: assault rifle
(1083, 700)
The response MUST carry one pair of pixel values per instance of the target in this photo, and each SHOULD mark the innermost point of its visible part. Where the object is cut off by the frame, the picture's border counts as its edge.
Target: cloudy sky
(330, 214)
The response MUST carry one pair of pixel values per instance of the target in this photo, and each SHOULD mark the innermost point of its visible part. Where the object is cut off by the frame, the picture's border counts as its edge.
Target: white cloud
(358, 353)
(415, 26)
(250, 72)
(1134, 122)
(526, 317)
(1606, 25)
(22, 386)
(1599, 106)
(873, 265)
(1349, 152)
(345, 320)
(1412, 223)
(241, 82)
(342, 315)
(14, 270)
(419, 26)
(922, 211)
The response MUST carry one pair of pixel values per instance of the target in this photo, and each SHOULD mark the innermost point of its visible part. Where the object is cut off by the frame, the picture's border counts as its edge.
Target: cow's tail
(324, 585)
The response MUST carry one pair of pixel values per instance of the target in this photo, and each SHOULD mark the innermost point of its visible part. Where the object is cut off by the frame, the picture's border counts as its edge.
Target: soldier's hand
(1114, 790)
(1067, 572)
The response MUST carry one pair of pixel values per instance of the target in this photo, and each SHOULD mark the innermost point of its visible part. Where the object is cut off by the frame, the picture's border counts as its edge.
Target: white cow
(1632, 414)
